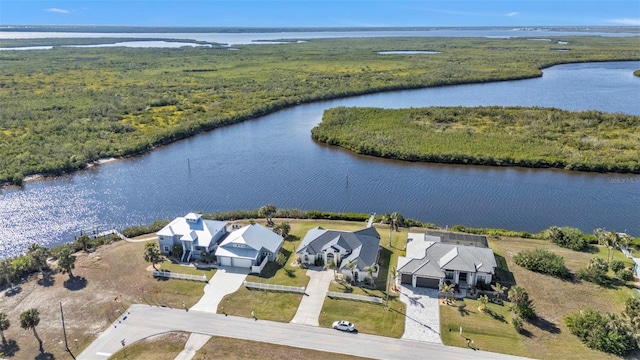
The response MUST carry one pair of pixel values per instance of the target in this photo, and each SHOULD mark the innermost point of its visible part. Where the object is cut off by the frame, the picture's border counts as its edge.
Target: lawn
(490, 331)
(160, 347)
(547, 338)
(239, 349)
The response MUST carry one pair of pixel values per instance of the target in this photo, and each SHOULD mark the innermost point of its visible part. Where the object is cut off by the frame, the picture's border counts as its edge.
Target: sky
(322, 13)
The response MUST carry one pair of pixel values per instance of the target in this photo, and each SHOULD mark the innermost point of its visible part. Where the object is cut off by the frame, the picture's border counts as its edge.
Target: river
(274, 160)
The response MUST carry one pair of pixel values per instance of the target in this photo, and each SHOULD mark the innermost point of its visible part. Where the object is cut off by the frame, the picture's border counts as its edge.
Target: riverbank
(101, 112)
(497, 136)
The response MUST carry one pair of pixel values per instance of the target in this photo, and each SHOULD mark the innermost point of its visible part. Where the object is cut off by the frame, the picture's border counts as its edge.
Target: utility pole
(64, 330)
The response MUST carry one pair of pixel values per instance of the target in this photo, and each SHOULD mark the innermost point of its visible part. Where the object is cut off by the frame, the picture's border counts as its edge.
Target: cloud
(513, 13)
(627, 22)
(56, 10)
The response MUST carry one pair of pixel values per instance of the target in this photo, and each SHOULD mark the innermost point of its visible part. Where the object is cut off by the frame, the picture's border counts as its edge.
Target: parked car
(344, 325)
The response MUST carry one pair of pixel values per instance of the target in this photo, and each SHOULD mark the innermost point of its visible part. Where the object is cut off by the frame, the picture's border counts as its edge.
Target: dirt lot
(107, 282)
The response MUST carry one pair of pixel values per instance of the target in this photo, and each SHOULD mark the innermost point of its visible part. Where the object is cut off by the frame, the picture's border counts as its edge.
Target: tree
(66, 260)
(29, 319)
(83, 241)
(152, 254)
(388, 220)
(206, 256)
(282, 229)
(631, 313)
(331, 264)
(281, 259)
(7, 271)
(352, 265)
(267, 211)
(555, 235)
(447, 289)
(38, 256)
(4, 325)
(370, 270)
(397, 219)
(484, 300)
(498, 290)
(522, 305)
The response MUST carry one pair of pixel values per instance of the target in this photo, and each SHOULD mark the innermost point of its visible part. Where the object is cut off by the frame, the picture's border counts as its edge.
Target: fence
(172, 275)
(372, 299)
(274, 287)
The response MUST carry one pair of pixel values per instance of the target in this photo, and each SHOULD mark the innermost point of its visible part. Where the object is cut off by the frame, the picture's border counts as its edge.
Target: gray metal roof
(441, 256)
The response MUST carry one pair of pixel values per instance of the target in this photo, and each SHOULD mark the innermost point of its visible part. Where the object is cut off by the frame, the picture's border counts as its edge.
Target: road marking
(103, 354)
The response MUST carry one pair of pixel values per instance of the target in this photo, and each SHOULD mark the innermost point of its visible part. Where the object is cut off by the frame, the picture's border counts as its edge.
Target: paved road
(143, 321)
(311, 304)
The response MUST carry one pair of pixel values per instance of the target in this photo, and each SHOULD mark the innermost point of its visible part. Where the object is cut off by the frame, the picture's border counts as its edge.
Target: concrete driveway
(226, 280)
(422, 322)
(311, 304)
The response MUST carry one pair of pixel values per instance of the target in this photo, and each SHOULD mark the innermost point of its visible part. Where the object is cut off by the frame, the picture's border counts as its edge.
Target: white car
(343, 325)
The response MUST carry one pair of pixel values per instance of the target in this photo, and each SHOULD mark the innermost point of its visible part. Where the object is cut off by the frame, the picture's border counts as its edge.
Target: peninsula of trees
(67, 107)
(503, 136)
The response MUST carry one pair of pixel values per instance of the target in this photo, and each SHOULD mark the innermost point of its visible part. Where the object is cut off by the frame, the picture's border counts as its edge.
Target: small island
(499, 136)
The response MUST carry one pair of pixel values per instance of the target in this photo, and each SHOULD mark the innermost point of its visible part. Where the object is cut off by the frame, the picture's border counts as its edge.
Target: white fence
(373, 299)
(112, 232)
(172, 275)
(258, 269)
(274, 287)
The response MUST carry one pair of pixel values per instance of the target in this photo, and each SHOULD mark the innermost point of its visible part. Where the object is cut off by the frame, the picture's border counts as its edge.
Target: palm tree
(397, 219)
(388, 220)
(518, 295)
(152, 254)
(38, 256)
(66, 260)
(370, 270)
(601, 234)
(447, 289)
(4, 325)
(267, 211)
(611, 241)
(29, 319)
(498, 290)
(352, 265)
(331, 264)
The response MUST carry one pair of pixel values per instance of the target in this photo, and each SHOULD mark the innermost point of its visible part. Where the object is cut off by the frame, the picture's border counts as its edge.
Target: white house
(249, 246)
(429, 262)
(636, 267)
(359, 248)
(194, 234)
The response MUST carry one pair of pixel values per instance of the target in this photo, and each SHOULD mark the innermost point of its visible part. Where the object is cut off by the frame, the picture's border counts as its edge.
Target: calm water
(274, 160)
(251, 38)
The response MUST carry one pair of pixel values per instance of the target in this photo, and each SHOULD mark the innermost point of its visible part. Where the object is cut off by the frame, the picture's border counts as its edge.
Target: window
(448, 274)
(166, 248)
(481, 279)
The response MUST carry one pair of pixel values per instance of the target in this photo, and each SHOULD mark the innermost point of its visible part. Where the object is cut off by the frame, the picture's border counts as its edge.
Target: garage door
(406, 279)
(224, 260)
(427, 282)
(243, 263)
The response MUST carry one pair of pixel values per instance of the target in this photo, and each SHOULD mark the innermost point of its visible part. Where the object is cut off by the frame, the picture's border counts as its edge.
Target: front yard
(553, 299)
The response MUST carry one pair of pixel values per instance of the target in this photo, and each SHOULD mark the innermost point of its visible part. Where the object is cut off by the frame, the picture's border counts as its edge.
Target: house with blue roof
(193, 233)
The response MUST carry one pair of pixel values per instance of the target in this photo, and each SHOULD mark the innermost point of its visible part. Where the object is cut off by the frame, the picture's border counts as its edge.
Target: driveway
(311, 304)
(226, 280)
(423, 314)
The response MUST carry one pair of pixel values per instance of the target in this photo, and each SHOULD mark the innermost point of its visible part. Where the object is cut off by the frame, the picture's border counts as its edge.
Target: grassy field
(66, 107)
(548, 337)
(160, 347)
(506, 136)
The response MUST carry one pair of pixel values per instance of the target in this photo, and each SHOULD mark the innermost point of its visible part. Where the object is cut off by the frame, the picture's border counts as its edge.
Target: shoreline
(289, 104)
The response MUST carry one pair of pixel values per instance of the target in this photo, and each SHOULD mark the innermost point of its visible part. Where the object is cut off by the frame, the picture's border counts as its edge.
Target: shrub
(566, 237)
(616, 266)
(522, 305)
(517, 322)
(625, 274)
(606, 333)
(542, 261)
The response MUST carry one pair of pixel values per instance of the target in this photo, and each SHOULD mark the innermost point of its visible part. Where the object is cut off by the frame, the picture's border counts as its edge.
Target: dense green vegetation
(67, 107)
(542, 261)
(636, 73)
(504, 136)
